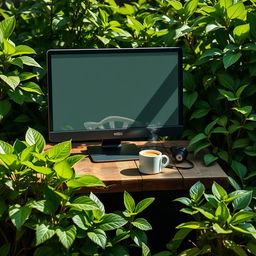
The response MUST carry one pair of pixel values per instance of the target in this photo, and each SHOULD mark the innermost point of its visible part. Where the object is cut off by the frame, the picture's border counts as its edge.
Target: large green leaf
(239, 169)
(81, 221)
(67, 235)
(243, 200)
(99, 237)
(23, 49)
(85, 181)
(64, 170)
(222, 213)
(234, 247)
(219, 191)
(6, 27)
(138, 236)
(43, 233)
(19, 214)
(29, 61)
(189, 98)
(34, 137)
(40, 169)
(5, 148)
(230, 58)
(31, 87)
(196, 191)
(237, 11)
(197, 138)
(12, 81)
(194, 225)
(141, 224)
(111, 221)
(9, 47)
(199, 113)
(145, 250)
(72, 160)
(60, 151)
(209, 159)
(242, 216)
(5, 107)
(190, 7)
(241, 32)
(26, 76)
(129, 202)
(143, 204)
(84, 203)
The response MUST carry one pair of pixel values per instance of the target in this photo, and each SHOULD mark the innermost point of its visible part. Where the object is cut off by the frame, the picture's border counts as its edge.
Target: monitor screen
(97, 94)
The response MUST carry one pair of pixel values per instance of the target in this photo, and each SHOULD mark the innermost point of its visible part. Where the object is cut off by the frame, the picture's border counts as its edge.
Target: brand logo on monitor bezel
(118, 134)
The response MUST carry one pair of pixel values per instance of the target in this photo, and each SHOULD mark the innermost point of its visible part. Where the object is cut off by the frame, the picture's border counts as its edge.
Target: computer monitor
(111, 95)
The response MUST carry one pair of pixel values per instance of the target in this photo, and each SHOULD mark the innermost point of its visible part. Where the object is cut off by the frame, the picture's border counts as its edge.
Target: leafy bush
(43, 214)
(224, 223)
(218, 42)
(16, 87)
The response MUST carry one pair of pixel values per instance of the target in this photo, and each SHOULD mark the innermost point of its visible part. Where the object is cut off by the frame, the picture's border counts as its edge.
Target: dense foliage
(43, 215)
(218, 42)
(223, 221)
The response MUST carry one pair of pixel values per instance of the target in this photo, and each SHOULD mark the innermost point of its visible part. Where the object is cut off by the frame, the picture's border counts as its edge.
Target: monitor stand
(113, 150)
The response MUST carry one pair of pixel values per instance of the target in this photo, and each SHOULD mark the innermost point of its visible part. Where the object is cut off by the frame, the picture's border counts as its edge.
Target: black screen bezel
(123, 134)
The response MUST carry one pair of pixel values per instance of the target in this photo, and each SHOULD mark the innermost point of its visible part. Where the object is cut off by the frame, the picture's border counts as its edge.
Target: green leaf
(33, 137)
(196, 191)
(129, 202)
(210, 126)
(219, 191)
(194, 225)
(222, 213)
(237, 11)
(5, 107)
(134, 24)
(5, 148)
(23, 49)
(12, 81)
(241, 143)
(111, 221)
(211, 52)
(5, 249)
(175, 4)
(31, 87)
(197, 138)
(43, 233)
(60, 151)
(6, 27)
(85, 181)
(178, 239)
(138, 236)
(143, 204)
(8, 160)
(220, 130)
(242, 216)
(209, 159)
(246, 110)
(26, 154)
(228, 94)
(145, 250)
(81, 221)
(230, 58)
(184, 200)
(240, 90)
(226, 80)
(239, 169)
(246, 228)
(241, 32)
(99, 203)
(141, 224)
(19, 214)
(242, 201)
(66, 235)
(189, 98)
(205, 213)
(99, 237)
(218, 229)
(26, 76)
(190, 7)
(201, 146)
(199, 113)
(63, 170)
(40, 169)
(9, 48)
(72, 160)
(17, 62)
(212, 200)
(84, 203)
(234, 247)
(29, 61)
(223, 155)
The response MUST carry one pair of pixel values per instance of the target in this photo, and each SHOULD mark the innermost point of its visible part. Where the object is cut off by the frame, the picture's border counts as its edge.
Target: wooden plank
(168, 179)
(200, 172)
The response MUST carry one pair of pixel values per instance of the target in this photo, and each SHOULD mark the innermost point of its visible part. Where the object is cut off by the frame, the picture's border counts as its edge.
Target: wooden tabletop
(124, 175)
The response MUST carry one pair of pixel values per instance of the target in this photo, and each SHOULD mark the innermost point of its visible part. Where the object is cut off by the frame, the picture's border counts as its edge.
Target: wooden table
(124, 175)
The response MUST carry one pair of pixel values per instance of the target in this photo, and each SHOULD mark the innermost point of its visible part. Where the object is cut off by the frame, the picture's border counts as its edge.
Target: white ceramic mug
(151, 161)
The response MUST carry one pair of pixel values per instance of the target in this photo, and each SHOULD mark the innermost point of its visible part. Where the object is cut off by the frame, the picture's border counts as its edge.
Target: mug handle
(167, 161)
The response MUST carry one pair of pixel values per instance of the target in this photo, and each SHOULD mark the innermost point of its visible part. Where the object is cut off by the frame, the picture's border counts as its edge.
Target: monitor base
(125, 152)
